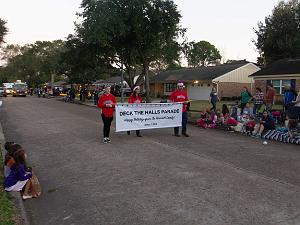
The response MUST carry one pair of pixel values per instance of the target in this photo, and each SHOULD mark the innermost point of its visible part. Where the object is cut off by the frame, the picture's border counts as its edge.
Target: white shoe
(24, 197)
(105, 140)
(108, 140)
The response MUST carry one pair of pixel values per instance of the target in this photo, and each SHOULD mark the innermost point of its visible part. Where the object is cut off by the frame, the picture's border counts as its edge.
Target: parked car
(8, 91)
(2, 92)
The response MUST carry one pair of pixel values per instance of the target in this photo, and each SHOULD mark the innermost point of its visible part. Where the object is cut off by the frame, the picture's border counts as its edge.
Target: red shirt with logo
(107, 99)
(135, 99)
(180, 96)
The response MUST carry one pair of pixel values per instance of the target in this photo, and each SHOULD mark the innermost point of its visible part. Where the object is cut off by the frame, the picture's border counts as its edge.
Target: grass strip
(7, 211)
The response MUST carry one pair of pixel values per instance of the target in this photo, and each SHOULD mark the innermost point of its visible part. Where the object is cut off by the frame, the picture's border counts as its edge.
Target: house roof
(199, 73)
(280, 67)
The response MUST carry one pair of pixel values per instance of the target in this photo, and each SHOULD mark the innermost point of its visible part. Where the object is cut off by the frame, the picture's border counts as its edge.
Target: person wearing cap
(107, 103)
(180, 95)
(135, 98)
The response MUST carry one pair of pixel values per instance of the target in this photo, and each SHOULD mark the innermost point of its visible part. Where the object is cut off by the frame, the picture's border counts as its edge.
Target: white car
(2, 92)
(9, 91)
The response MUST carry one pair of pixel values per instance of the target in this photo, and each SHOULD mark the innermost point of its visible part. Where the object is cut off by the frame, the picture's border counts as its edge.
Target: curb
(77, 102)
(16, 197)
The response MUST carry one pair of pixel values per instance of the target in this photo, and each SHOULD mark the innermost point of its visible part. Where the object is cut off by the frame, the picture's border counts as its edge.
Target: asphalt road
(211, 178)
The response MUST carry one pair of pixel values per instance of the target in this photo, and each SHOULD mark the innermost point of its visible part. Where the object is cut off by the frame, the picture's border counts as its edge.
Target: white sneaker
(105, 140)
(108, 140)
(24, 197)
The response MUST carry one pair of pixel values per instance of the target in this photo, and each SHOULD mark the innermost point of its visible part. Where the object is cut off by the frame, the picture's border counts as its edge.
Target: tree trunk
(147, 84)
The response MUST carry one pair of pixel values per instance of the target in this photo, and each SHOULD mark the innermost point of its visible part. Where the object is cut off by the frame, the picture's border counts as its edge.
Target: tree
(3, 30)
(201, 53)
(81, 62)
(133, 33)
(34, 63)
(279, 36)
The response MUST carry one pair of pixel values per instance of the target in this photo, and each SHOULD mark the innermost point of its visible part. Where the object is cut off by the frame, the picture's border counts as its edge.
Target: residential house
(229, 79)
(279, 73)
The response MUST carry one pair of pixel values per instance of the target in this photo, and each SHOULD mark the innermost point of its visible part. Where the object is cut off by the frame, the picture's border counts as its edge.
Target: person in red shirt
(107, 103)
(135, 98)
(180, 95)
(270, 96)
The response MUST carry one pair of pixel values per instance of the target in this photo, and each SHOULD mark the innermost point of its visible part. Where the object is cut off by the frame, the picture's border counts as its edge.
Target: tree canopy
(133, 33)
(33, 63)
(201, 53)
(279, 36)
(3, 30)
(82, 63)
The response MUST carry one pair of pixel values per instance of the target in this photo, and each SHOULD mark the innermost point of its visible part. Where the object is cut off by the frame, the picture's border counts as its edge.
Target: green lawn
(7, 212)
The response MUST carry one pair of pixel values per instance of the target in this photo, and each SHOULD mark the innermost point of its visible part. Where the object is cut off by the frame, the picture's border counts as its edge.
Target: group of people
(19, 176)
(107, 103)
(254, 114)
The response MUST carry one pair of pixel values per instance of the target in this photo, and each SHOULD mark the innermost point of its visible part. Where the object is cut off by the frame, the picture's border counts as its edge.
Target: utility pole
(122, 80)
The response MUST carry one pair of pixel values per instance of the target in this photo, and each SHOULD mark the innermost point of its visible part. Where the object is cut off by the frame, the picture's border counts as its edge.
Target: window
(170, 87)
(279, 85)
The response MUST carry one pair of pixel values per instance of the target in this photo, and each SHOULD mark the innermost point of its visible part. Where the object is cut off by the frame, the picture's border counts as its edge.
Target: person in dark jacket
(266, 123)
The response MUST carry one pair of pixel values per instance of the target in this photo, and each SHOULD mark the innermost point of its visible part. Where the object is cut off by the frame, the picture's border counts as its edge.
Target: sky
(227, 24)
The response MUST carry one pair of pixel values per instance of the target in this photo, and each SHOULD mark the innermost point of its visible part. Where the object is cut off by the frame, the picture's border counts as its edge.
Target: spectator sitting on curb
(11, 148)
(18, 177)
(266, 123)
(225, 111)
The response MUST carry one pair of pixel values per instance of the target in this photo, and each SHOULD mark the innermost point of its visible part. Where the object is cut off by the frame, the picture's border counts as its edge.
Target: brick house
(279, 73)
(229, 79)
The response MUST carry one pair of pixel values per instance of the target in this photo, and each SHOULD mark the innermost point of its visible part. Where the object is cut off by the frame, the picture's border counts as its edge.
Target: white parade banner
(148, 116)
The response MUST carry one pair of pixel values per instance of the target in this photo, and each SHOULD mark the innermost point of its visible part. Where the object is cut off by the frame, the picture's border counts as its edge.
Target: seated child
(292, 127)
(211, 123)
(11, 148)
(220, 118)
(248, 110)
(250, 126)
(234, 110)
(261, 110)
(18, 179)
(204, 115)
(207, 119)
(225, 111)
(266, 123)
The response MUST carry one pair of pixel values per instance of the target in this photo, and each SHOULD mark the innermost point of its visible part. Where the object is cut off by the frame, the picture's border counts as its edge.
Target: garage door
(199, 92)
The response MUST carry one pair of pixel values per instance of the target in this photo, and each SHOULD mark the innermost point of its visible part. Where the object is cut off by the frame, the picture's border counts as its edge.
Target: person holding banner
(180, 95)
(135, 98)
(107, 103)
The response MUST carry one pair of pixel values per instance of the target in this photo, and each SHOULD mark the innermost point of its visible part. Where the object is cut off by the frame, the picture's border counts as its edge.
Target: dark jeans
(106, 125)
(214, 106)
(243, 105)
(184, 122)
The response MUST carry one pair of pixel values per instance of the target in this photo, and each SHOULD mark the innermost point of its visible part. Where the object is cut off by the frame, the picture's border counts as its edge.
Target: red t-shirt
(135, 99)
(251, 124)
(270, 95)
(180, 96)
(107, 99)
